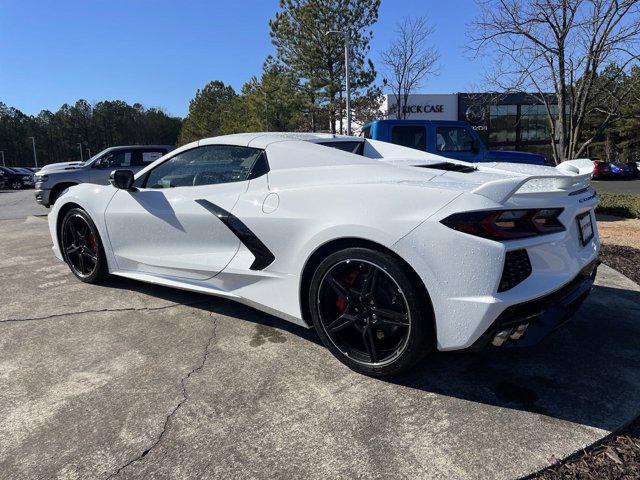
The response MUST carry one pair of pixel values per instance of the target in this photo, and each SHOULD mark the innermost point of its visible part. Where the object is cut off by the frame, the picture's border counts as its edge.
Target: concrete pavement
(16, 204)
(129, 380)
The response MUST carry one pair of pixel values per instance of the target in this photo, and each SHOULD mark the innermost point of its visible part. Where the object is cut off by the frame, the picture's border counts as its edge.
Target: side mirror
(122, 179)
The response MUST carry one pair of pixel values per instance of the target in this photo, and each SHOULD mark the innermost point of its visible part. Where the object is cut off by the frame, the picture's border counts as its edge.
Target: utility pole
(80, 147)
(345, 35)
(88, 152)
(35, 157)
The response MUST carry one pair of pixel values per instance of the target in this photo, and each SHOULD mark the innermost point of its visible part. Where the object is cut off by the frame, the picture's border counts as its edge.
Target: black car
(15, 179)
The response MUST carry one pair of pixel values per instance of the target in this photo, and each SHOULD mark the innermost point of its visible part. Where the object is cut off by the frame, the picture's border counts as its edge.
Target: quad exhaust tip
(514, 333)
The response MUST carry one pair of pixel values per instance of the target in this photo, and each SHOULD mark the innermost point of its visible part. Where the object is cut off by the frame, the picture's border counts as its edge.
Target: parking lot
(135, 381)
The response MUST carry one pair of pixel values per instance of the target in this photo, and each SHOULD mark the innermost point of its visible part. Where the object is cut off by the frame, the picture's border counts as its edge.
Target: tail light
(506, 224)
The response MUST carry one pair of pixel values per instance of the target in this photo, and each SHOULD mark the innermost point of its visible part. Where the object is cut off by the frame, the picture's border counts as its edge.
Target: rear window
(351, 147)
(410, 136)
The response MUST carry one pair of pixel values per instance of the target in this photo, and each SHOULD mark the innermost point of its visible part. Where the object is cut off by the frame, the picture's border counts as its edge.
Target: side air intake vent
(450, 167)
(517, 267)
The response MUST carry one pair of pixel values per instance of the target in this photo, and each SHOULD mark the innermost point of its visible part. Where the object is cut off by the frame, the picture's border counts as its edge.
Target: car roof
(138, 147)
(413, 122)
(262, 139)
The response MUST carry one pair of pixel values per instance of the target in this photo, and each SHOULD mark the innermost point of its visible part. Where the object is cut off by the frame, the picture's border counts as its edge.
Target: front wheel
(81, 247)
(16, 185)
(369, 313)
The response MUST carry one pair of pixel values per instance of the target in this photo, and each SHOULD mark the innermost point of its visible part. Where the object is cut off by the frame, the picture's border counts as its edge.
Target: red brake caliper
(92, 242)
(341, 302)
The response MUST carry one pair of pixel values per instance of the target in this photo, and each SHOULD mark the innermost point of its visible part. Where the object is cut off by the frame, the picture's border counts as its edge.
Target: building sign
(424, 107)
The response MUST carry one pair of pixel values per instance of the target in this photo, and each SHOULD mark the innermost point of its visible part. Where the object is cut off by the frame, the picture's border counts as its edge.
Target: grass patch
(619, 204)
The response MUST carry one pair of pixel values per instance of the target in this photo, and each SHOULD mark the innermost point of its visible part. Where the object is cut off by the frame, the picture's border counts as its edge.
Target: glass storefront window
(502, 123)
(534, 124)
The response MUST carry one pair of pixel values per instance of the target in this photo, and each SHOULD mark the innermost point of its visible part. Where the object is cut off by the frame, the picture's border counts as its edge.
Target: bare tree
(562, 47)
(409, 61)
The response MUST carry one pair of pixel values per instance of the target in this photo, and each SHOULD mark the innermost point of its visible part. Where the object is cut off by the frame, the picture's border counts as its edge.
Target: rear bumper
(526, 324)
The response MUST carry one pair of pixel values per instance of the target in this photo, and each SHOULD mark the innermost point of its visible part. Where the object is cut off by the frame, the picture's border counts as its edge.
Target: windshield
(95, 157)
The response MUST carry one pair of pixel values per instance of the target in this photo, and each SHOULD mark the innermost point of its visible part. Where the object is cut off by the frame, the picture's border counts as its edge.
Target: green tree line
(60, 135)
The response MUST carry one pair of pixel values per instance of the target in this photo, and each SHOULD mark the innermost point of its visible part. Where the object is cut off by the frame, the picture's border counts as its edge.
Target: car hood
(56, 167)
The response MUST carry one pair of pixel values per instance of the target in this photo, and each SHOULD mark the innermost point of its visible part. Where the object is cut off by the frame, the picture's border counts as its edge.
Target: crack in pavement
(185, 397)
(102, 310)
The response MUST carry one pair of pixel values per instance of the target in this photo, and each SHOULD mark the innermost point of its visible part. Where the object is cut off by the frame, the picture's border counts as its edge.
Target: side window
(149, 156)
(453, 139)
(410, 136)
(206, 165)
(366, 132)
(142, 158)
(117, 159)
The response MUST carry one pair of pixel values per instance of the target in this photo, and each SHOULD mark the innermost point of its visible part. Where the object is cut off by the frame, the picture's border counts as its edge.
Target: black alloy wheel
(81, 247)
(368, 312)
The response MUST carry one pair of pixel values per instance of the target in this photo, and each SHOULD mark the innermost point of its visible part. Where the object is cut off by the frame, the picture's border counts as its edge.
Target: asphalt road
(130, 380)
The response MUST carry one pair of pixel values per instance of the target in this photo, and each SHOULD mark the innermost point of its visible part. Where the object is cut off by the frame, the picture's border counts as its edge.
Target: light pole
(2, 152)
(80, 147)
(35, 157)
(345, 35)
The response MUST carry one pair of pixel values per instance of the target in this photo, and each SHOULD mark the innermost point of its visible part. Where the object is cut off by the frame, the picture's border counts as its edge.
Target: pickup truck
(452, 139)
(54, 178)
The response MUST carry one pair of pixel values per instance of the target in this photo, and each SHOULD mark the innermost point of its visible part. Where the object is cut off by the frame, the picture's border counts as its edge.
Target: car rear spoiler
(578, 175)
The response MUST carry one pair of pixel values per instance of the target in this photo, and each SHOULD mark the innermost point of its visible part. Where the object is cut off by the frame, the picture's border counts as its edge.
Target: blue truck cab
(448, 138)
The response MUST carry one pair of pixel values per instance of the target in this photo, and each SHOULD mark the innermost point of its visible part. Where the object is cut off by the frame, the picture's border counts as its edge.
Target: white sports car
(388, 252)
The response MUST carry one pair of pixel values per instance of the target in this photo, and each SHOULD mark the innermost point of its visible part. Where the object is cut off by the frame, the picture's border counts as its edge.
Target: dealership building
(509, 121)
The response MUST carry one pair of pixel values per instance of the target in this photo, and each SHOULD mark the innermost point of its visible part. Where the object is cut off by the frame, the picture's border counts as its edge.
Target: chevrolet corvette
(388, 252)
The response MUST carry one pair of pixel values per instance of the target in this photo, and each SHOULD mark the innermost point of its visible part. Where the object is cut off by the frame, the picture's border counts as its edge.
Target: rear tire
(368, 312)
(81, 247)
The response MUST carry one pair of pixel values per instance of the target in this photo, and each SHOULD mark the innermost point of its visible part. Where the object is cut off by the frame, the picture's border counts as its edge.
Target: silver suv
(53, 179)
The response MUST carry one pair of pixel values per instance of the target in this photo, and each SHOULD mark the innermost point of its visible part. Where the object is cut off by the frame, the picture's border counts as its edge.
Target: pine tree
(299, 33)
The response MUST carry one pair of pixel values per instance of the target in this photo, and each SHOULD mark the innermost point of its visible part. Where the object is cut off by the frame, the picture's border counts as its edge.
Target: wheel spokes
(337, 286)
(369, 343)
(364, 312)
(343, 321)
(81, 263)
(370, 281)
(72, 249)
(390, 317)
(80, 256)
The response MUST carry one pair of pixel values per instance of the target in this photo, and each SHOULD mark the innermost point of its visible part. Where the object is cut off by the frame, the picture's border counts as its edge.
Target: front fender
(93, 199)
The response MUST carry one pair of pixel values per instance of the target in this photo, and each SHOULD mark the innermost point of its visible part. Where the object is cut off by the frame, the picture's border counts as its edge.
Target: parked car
(451, 139)
(26, 171)
(612, 170)
(16, 179)
(53, 179)
(388, 252)
(2, 179)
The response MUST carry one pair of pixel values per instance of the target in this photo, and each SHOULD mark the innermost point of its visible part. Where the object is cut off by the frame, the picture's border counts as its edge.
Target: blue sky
(158, 52)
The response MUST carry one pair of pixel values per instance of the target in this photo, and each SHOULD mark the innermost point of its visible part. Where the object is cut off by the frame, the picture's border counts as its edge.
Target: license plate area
(585, 227)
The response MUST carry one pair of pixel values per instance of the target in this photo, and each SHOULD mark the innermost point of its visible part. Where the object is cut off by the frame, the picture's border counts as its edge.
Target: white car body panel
(313, 195)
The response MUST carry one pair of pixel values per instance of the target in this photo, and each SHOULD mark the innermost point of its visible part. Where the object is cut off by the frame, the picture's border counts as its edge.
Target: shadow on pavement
(588, 372)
